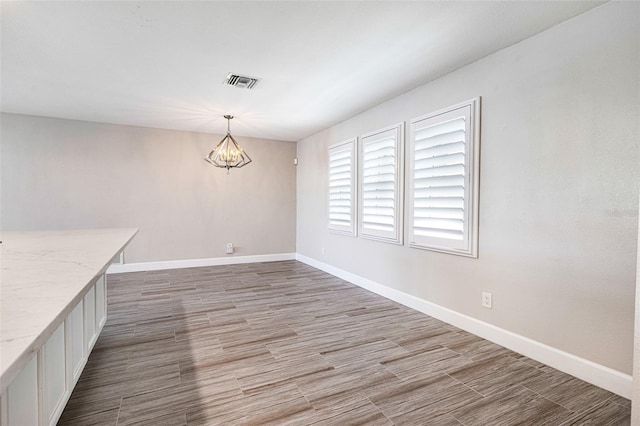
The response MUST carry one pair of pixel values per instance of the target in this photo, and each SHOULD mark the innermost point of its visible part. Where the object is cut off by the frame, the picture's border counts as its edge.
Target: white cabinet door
(54, 376)
(77, 348)
(20, 401)
(101, 311)
(90, 318)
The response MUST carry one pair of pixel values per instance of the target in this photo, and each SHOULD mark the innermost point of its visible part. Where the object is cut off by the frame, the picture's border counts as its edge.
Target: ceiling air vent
(240, 81)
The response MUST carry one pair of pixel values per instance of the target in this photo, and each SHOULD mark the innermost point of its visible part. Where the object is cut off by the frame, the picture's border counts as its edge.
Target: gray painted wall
(558, 189)
(62, 174)
(635, 396)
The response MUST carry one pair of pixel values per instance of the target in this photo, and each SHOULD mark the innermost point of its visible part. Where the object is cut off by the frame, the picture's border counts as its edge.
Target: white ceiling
(161, 64)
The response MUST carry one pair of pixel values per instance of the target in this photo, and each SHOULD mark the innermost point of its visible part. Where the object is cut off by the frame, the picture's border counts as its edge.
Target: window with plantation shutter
(443, 180)
(342, 185)
(380, 201)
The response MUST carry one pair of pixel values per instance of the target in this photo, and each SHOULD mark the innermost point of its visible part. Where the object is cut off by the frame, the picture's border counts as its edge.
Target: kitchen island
(52, 309)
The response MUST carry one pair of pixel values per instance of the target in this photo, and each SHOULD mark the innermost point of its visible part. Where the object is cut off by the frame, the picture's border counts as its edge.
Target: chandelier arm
(243, 154)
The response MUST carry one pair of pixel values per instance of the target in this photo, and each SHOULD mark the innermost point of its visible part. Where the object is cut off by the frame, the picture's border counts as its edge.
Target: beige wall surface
(558, 189)
(62, 174)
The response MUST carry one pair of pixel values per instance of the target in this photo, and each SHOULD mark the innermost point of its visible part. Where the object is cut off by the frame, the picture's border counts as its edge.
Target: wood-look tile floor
(283, 343)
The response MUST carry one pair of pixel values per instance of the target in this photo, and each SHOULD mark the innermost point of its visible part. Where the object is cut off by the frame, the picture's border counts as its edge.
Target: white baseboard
(599, 375)
(194, 263)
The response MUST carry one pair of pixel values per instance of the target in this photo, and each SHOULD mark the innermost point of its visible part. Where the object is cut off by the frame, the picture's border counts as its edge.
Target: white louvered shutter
(380, 184)
(442, 168)
(342, 204)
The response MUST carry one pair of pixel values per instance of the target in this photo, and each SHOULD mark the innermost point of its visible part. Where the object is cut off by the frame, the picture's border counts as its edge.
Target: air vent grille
(240, 81)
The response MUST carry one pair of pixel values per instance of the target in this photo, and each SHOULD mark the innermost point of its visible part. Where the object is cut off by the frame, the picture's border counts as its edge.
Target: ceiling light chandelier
(227, 153)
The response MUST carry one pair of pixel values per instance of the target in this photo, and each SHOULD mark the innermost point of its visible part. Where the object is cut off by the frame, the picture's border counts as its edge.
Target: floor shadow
(141, 368)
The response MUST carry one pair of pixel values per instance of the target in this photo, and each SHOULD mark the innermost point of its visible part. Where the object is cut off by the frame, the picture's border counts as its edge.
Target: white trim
(194, 263)
(589, 371)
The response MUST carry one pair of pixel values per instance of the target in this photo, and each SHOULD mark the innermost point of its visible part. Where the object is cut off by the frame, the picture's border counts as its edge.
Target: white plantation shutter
(439, 180)
(380, 184)
(443, 180)
(342, 173)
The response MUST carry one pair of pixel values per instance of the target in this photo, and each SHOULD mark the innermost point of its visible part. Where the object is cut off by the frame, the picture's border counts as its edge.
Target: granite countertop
(43, 276)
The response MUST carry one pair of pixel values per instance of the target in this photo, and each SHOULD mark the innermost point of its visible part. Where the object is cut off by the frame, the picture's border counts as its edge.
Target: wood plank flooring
(285, 344)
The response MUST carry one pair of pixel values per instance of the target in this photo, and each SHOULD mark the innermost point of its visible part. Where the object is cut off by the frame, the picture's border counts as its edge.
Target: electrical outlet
(486, 299)
(229, 248)
(323, 250)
